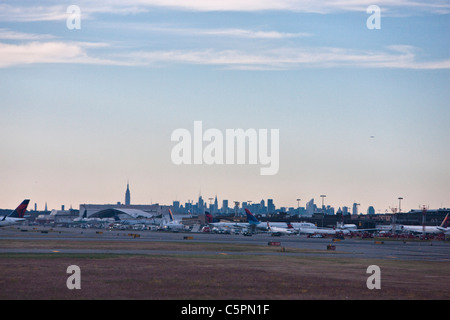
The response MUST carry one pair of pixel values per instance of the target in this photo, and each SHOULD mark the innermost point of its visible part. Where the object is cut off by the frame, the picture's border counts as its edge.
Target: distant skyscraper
(225, 206)
(127, 195)
(262, 207)
(310, 207)
(355, 208)
(345, 210)
(216, 206)
(270, 206)
(201, 207)
(371, 210)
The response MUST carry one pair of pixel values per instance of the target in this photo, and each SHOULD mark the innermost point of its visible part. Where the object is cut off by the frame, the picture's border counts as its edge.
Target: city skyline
(268, 205)
(91, 94)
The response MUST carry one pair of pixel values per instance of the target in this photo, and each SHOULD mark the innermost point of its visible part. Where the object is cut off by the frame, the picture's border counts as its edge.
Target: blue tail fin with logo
(251, 218)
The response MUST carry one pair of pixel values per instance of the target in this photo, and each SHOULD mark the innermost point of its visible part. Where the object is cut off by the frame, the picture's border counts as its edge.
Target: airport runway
(348, 248)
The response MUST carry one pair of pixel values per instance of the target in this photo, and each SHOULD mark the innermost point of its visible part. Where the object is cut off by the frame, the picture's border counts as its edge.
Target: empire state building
(127, 195)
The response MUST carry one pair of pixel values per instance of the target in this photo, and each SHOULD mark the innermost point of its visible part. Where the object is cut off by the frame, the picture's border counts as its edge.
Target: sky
(89, 101)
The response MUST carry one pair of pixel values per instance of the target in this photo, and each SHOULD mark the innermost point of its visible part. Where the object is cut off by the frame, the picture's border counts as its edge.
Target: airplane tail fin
(445, 222)
(170, 215)
(19, 212)
(209, 217)
(250, 217)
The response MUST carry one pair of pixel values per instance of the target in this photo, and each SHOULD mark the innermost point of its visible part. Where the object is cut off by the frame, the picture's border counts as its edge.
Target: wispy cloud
(32, 13)
(57, 12)
(310, 6)
(226, 32)
(243, 33)
(7, 34)
(50, 52)
(52, 10)
(288, 58)
(400, 56)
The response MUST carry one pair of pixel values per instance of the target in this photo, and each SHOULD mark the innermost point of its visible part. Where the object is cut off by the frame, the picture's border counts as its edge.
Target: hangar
(122, 214)
(126, 211)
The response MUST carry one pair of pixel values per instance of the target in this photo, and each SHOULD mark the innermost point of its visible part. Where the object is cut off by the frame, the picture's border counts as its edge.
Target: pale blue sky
(84, 110)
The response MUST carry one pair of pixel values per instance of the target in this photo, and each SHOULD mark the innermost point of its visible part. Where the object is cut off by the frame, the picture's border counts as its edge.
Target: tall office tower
(224, 206)
(127, 195)
(262, 207)
(371, 210)
(355, 208)
(201, 207)
(270, 206)
(216, 206)
(330, 210)
(310, 207)
(176, 205)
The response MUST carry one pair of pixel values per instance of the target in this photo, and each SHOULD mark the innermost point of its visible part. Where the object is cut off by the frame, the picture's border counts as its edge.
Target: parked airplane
(279, 231)
(443, 228)
(298, 225)
(225, 225)
(15, 216)
(308, 230)
(346, 226)
(253, 222)
(173, 224)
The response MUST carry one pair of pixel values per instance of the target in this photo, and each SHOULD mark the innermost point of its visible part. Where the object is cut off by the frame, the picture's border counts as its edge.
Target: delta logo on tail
(251, 218)
(20, 210)
(15, 216)
(208, 217)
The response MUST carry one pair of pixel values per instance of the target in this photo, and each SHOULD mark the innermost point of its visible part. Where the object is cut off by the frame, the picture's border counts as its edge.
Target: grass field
(213, 276)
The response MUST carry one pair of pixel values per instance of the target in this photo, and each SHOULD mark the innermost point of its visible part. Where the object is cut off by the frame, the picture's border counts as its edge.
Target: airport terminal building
(125, 211)
(115, 210)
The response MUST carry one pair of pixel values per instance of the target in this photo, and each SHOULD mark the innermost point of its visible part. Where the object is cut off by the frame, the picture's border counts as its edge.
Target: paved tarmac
(348, 248)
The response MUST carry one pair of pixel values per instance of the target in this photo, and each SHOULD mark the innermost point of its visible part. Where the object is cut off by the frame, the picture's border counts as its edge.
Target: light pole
(210, 205)
(323, 207)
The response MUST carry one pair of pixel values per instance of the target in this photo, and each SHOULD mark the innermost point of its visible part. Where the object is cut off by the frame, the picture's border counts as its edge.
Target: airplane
(226, 225)
(173, 224)
(347, 226)
(310, 231)
(285, 228)
(279, 231)
(442, 228)
(298, 225)
(340, 228)
(15, 216)
(252, 223)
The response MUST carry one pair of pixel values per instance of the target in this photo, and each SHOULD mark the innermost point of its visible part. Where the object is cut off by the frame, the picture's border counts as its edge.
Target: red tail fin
(445, 221)
(209, 217)
(20, 210)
